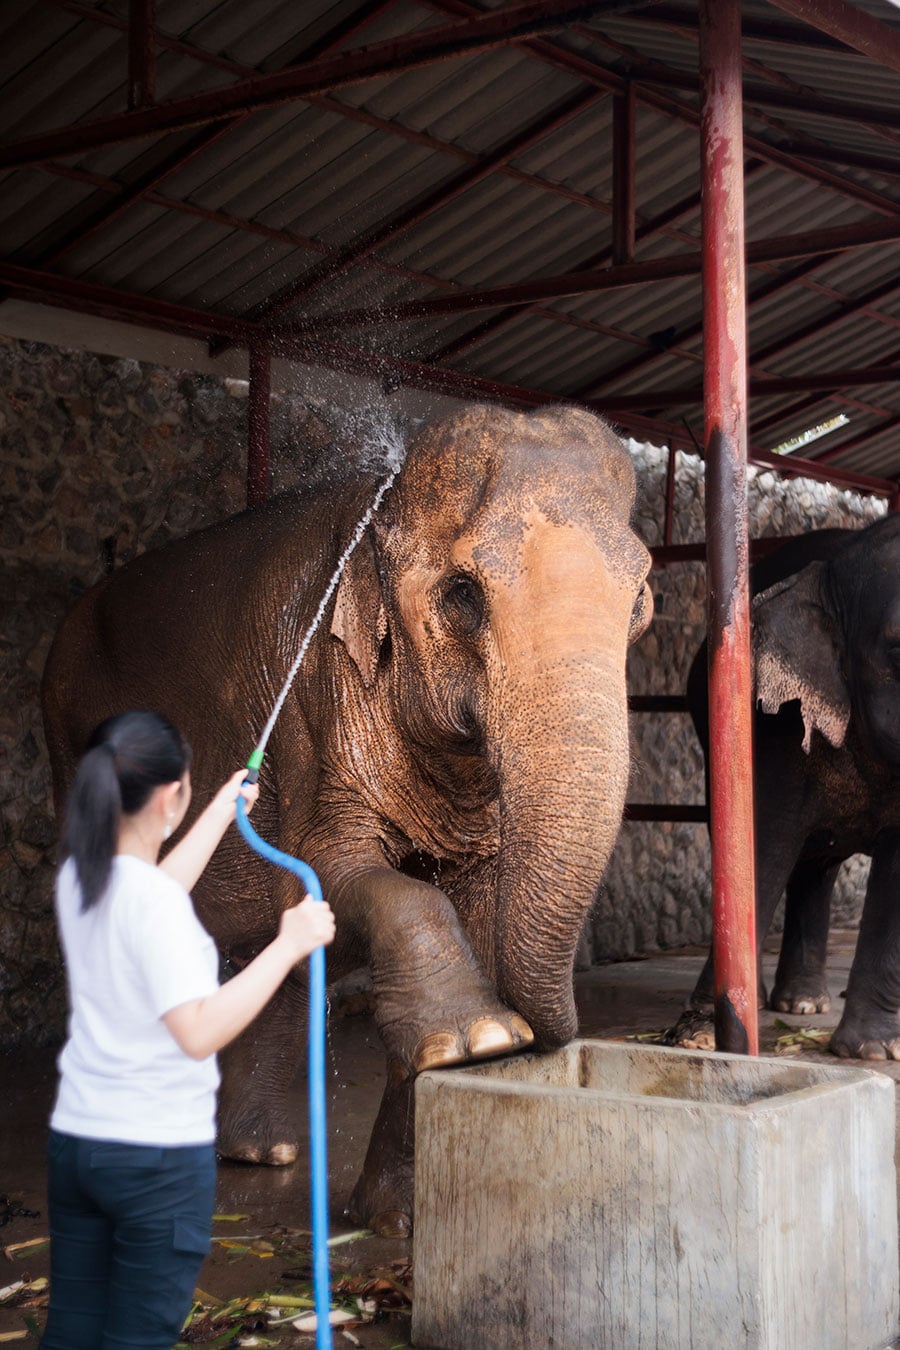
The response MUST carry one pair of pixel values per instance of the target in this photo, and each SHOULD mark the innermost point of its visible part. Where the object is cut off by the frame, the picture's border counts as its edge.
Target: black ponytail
(128, 756)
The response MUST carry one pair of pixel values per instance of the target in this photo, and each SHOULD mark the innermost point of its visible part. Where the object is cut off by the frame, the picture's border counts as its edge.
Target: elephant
(451, 760)
(826, 650)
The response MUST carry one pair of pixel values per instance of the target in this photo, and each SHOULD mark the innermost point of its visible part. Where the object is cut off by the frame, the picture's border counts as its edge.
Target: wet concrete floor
(617, 1000)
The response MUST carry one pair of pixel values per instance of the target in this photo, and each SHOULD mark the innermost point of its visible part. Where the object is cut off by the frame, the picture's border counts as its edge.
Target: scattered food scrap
(797, 1039)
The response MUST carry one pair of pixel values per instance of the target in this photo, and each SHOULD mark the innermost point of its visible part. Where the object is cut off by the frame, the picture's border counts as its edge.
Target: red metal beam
(758, 388)
(141, 53)
(361, 115)
(849, 24)
(649, 77)
(389, 58)
(885, 165)
(759, 29)
(659, 224)
(848, 310)
(728, 606)
(781, 281)
(28, 283)
(777, 249)
(86, 297)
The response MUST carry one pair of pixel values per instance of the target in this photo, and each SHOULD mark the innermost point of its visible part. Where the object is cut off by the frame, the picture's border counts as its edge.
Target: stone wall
(101, 458)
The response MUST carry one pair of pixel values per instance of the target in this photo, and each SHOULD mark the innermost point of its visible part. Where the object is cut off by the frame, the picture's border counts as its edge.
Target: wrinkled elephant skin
(460, 716)
(826, 637)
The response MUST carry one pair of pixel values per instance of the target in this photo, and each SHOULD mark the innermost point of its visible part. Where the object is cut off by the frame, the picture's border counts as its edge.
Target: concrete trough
(625, 1197)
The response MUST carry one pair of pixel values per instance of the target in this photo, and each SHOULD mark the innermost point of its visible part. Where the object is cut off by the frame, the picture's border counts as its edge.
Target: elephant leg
(383, 1196)
(434, 1004)
(870, 1026)
(257, 1071)
(773, 867)
(780, 835)
(800, 984)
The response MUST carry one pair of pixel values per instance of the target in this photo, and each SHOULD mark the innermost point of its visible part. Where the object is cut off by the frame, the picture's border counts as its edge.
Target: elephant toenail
(438, 1049)
(391, 1223)
(281, 1155)
(521, 1030)
(487, 1037)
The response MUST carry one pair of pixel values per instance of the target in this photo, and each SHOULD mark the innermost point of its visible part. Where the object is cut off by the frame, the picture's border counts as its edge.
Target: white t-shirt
(136, 954)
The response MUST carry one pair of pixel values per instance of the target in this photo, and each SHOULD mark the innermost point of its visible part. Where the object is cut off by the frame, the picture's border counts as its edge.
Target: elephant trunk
(563, 777)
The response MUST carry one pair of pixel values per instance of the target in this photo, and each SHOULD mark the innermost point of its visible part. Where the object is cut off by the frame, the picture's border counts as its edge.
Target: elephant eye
(462, 600)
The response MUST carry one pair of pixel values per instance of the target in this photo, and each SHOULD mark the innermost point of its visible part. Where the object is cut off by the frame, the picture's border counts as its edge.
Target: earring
(168, 829)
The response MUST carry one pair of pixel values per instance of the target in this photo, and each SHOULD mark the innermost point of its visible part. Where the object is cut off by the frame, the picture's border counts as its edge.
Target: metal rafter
(390, 58)
(342, 33)
(144, 188)
(770, 387)
(88, 297)
(779, 248)
(850, 25)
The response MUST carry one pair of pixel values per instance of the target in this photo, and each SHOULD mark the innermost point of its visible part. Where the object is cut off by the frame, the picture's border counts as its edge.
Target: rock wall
(101, 458)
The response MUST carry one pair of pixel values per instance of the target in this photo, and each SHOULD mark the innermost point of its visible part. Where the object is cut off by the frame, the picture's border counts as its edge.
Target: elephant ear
(360, 619)
(797, 655)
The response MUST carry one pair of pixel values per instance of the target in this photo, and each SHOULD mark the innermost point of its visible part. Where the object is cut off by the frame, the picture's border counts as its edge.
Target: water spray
(316, 1071)
(254, 763)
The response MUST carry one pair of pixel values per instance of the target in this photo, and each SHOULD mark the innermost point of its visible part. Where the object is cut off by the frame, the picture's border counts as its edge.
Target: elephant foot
(483, 1038)
(375, 1212)
(871, 1036)
(801, 996)
(383, 1197)
(694, 1030)
(257, 1138)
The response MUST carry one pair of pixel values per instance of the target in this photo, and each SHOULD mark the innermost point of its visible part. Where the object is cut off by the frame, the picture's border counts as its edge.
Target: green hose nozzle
(254, 764)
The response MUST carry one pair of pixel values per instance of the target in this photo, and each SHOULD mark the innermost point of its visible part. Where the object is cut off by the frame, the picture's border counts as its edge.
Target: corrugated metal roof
(483, 170)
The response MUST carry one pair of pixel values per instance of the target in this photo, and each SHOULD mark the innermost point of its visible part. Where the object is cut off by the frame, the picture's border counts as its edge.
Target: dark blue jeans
(129, 1228)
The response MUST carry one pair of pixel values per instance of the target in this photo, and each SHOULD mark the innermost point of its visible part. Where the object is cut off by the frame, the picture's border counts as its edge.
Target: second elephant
(826, 638)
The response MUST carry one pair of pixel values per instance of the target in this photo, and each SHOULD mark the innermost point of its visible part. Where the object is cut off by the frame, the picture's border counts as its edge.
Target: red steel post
(728, 604)
(258, 426)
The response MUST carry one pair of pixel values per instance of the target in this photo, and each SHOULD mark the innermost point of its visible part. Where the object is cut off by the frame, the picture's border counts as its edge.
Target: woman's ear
(797, 654)
(360, 619)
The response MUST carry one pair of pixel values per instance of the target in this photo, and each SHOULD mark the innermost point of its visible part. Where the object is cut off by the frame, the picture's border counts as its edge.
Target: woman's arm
(208, 1024)
(189, 857)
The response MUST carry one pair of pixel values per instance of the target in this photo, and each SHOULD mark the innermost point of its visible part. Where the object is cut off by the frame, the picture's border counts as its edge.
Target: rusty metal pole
(728, 604)
(258, 427)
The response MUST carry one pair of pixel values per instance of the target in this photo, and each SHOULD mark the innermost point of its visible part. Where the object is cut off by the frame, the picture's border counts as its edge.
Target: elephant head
(496, 598)
(830, 636)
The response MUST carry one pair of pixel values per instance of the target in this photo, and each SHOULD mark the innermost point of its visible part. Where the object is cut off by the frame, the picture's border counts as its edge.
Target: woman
(131, 1161)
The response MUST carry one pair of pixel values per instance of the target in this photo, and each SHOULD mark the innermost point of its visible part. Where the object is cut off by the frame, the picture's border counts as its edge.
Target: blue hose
(318, 1143)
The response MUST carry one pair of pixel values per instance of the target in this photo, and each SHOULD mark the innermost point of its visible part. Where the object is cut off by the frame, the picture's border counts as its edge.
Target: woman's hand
(208, 1024)
(190, 855)
(225, 800)
(306, 926)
